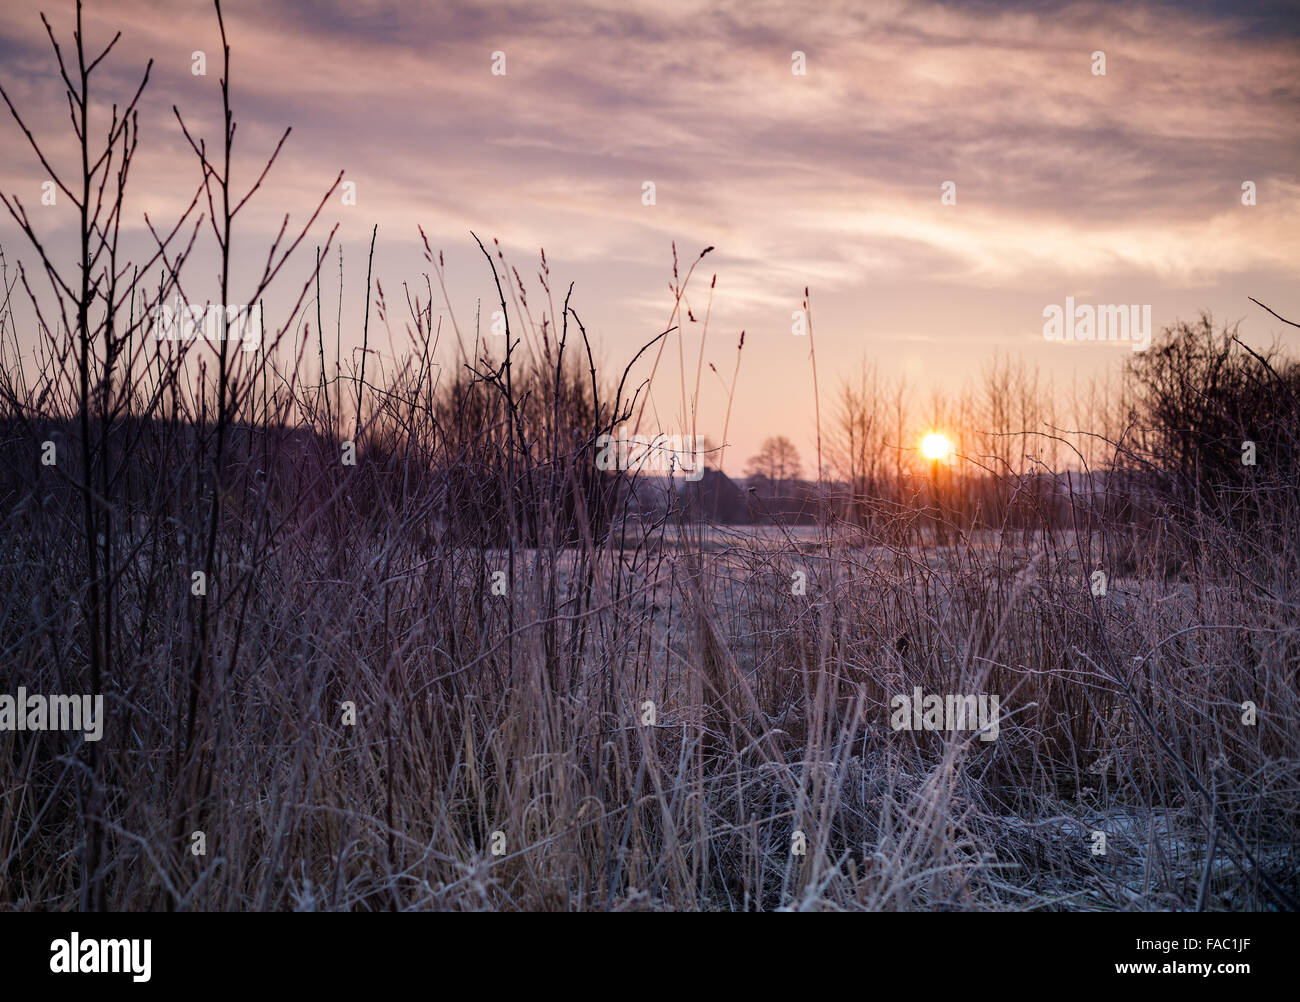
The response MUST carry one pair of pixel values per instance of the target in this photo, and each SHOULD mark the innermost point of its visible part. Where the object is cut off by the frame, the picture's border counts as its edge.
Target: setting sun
(935, 446)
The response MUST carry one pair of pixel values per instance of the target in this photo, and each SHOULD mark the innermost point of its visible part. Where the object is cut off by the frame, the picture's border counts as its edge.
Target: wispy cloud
(830, 179)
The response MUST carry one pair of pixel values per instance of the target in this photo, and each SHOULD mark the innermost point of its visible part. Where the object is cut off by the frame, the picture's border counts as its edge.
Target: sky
(1122, 187)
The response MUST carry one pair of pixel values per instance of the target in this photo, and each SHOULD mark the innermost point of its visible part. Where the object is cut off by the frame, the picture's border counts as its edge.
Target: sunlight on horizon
(935, 446)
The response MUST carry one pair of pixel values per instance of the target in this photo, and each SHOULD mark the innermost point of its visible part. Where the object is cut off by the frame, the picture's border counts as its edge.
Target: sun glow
(935, 446)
